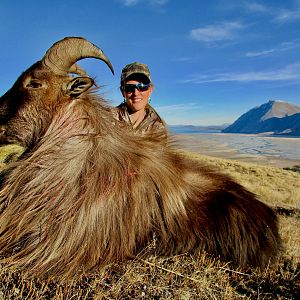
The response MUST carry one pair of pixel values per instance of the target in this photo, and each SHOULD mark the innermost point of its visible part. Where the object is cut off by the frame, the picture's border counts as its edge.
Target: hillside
(276, 117)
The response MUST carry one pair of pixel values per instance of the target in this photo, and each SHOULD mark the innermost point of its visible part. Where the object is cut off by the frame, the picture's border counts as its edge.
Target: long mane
(87, 192)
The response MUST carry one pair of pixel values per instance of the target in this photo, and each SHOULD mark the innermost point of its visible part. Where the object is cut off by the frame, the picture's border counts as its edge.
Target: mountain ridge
(275, 116)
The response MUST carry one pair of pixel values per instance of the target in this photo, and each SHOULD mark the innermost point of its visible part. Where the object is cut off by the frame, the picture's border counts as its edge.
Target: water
(188, 130)
(281, 147)
(253, 144)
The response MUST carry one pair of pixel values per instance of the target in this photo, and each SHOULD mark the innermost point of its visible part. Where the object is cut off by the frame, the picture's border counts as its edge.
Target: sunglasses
(141, 87)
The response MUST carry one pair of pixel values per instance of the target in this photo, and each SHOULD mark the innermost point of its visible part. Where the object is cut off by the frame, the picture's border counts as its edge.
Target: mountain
(276, 117)
(197, 127)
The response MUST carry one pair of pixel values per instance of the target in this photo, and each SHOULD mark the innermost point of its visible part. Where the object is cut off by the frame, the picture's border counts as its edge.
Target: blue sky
(211, 61)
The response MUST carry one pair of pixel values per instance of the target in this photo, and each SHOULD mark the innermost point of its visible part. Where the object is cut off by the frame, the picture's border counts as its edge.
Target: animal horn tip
(112, 70)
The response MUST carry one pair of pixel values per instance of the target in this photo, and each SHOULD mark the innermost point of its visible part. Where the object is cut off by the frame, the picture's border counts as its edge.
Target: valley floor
(263, 150)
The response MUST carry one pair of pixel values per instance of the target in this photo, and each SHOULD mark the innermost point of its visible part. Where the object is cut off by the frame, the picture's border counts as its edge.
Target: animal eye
(34, 84)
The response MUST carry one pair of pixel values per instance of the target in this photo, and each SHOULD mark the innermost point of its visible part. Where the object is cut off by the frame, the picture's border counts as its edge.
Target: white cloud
(158, 2)
(255, 7)
(212, 33)
(182, 59)
(151, 2)
(259, 53)
(284, 15)
(282, 47)
(279, 15)
(288, 15)
(186, 113)
(288, 73)
(130, 2)
(178, 107)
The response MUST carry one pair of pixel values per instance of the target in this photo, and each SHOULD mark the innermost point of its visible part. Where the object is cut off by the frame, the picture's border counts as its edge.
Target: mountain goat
(87, 191)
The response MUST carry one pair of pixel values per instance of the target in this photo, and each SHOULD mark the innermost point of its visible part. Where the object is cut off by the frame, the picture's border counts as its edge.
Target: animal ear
(78, 85)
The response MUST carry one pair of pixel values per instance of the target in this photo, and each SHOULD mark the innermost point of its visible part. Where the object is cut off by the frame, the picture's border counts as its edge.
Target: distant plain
(255, 148)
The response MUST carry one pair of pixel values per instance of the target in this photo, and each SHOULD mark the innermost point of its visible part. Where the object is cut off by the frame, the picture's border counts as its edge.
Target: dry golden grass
(9, 153)
(274, 186)
(185, 277)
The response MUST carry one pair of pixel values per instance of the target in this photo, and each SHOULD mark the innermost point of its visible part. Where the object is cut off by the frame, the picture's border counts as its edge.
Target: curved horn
(64, 53)
(76, 69)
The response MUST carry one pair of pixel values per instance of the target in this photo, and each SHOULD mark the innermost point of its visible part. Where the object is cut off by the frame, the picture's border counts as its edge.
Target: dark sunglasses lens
(143, 87)
(129, 88)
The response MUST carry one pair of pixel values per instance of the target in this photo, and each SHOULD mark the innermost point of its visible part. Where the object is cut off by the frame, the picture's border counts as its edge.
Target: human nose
(136, 91)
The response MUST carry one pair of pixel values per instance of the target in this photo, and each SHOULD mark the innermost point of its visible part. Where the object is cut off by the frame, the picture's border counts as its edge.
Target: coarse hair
(88, 191)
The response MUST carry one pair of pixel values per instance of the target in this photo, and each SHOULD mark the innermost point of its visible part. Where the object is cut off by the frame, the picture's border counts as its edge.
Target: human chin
(138, 105)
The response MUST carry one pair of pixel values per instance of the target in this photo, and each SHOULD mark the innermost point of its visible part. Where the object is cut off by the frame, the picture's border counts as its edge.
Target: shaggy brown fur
(89, 192)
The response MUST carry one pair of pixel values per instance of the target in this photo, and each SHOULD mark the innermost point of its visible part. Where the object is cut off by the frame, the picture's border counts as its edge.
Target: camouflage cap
(135, 68)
